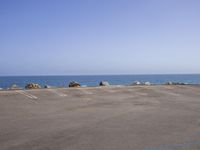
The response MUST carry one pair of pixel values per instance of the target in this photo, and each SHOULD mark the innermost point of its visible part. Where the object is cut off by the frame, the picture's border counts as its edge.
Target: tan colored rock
(32, 86)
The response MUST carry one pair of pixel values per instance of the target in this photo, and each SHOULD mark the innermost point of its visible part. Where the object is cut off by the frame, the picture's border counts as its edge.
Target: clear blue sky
(64, 37)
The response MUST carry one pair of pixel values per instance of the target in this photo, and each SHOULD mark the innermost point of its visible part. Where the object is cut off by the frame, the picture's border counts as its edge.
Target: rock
(175, 83)
(14, 87)
(136, 83)
(32, 86)
(74, 84)
(47, 87)
(104, 83)
(169, 83)
(147, 83)
(180, 83)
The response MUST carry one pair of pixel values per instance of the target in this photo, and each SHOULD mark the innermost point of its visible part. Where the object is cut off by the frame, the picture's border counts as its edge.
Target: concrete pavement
(102, 118)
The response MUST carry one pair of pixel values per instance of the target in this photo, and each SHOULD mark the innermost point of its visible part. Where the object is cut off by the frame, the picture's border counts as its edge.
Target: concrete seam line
(27, 94)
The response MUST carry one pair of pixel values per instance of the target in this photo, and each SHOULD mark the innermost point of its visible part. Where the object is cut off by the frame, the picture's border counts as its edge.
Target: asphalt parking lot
(106, 118)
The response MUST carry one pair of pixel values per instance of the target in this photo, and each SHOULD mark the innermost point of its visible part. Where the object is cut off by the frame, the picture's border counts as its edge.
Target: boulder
(169, 83)
(104, 83)
(136, 83)
(47, 87)
(32, 86)
(147, 83)
(180, 83)
(14, 87)
(175, 83)
(74, 84)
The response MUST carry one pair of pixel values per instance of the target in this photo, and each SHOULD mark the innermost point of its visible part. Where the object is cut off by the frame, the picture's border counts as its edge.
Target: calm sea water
(94, 80)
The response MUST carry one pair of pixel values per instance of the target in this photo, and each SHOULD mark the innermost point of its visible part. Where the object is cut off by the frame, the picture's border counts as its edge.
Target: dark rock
(74, 84)
(32, 86)
(104, 83)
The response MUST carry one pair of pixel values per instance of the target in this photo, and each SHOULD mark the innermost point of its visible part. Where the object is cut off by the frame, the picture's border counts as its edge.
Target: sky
(90, 37)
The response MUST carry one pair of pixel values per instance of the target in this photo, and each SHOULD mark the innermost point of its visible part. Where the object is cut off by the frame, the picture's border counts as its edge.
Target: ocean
(93, 80)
